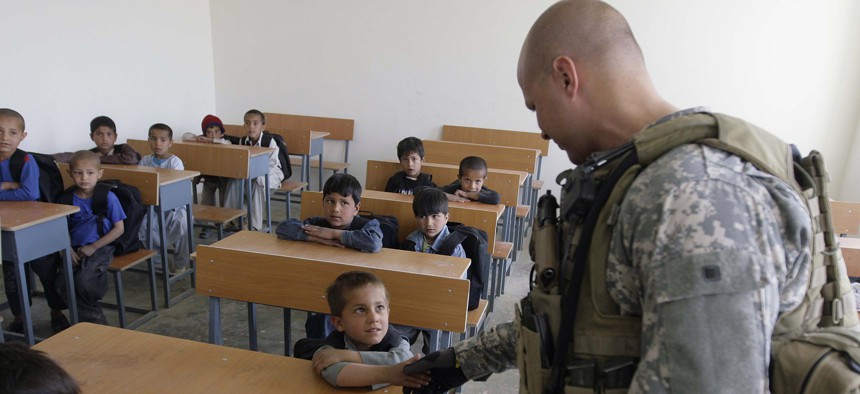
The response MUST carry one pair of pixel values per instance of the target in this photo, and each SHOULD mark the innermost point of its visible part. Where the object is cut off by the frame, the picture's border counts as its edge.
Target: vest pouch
(530, 360)
(821, 362)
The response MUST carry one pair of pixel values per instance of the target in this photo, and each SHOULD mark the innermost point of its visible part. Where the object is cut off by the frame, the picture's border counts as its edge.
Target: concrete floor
(189, 319)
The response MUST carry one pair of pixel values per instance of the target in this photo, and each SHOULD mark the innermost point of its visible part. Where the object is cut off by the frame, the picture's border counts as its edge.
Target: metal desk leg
(215, 337)
(252, 326)
(24, 296)
(288, 332)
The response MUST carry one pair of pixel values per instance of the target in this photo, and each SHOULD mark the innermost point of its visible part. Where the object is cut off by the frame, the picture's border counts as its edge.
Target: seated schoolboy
(365, 350)
(410, 152)
(26, 370)
(255, 121)
(431, 212)
(103, 133)
(213, 133)
(160, 140)
(430, 207)
(469, 185)
(91, 238)
(26, 188)
(341, 227)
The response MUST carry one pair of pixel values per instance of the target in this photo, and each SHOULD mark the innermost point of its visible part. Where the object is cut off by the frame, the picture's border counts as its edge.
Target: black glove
(443, 369)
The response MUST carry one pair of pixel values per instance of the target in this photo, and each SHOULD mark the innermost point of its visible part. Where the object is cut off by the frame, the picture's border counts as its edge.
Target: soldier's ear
(564, 74)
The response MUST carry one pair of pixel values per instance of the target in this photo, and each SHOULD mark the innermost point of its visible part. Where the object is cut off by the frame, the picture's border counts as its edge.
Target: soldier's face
(553, 100)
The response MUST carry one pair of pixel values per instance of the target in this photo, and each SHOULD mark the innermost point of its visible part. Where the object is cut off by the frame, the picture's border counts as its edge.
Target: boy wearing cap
(213, 133)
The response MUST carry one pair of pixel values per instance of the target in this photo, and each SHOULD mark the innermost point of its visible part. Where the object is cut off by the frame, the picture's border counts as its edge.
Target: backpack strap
(454, 238)
(265, 139)
(100, 204)
(66, 196)
(16, 164)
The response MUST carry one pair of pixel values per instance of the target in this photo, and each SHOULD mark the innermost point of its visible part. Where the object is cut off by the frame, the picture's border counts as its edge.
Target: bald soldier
(699, 256)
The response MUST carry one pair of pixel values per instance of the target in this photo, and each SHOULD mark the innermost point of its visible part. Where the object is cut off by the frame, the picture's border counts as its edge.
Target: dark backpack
(129, 199)
(474, 242)
(283, 153)
(50, 179)
(389, 226)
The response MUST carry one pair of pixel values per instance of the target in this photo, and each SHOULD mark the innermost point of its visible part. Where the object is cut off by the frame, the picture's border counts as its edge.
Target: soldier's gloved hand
(445, 373)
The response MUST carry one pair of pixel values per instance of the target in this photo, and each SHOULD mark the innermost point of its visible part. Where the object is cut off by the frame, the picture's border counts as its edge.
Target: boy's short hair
(344, 184)
(162, 126)
(84, 155)
(11, 113)
(258, 113)
(26, 370)
(409, 145)
(99, 121)
(429, 201)
(473, 163)
(346, 282)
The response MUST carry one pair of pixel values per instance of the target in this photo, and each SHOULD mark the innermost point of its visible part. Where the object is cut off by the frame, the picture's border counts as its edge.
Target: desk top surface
(22, 214)
(386, 259)
(520, 174)
(108, 359)
(254, 150)
(319, 134)
(165, 175)
(376, 194)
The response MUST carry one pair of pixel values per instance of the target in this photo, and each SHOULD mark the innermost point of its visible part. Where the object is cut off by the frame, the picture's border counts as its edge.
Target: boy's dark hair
(344, 184)
(99, 121)
(26, 370)
(84, 155)
(429, 201)
(256, 112)
(346, 282)
(162, 126)
(473, 163)
(11, 113)
(409, 145)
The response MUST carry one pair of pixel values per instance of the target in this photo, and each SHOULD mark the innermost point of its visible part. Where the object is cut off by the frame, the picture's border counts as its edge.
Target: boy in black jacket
(469, 185)
(410, 151)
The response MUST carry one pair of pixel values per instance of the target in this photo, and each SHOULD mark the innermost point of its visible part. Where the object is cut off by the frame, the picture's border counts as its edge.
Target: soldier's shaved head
(592, 33)
(584, 75)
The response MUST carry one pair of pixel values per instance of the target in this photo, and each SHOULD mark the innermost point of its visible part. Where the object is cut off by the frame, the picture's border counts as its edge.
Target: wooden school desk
(31, 230)
(427, 291)
(507, 183)
(229, 161)
(481, 216)
(304, 143)
(335, 129)
(161, 190)
(106, 359)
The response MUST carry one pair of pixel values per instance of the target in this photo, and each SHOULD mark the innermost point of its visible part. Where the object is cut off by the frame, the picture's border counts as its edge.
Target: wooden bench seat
(219, 216)
(327, 165)
(289, 187)
(118, 265)
(537, 184)
(475, 319)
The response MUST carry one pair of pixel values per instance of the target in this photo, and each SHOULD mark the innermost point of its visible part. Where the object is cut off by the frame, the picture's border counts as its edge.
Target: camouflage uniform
(708, 250)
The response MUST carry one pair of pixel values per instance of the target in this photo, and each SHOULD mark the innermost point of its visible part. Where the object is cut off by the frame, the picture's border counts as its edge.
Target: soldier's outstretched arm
(489, 352)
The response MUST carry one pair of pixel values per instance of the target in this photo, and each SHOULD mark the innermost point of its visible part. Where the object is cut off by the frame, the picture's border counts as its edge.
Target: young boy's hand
(321, 232)
(456, 198)
(204, 139)
(397, 377)
(466, 195)
(330, 356)
(328, 242)
(86, 250)
(9, 185)
(75, 258)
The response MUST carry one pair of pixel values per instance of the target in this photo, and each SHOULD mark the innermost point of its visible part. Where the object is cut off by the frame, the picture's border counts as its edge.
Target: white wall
(138, 62)
(403, 68)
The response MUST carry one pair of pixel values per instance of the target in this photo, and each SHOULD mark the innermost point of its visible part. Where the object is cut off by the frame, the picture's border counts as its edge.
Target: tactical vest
(603, 353)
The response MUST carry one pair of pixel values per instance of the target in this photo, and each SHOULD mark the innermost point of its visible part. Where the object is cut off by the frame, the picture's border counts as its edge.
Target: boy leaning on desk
(365, 350)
